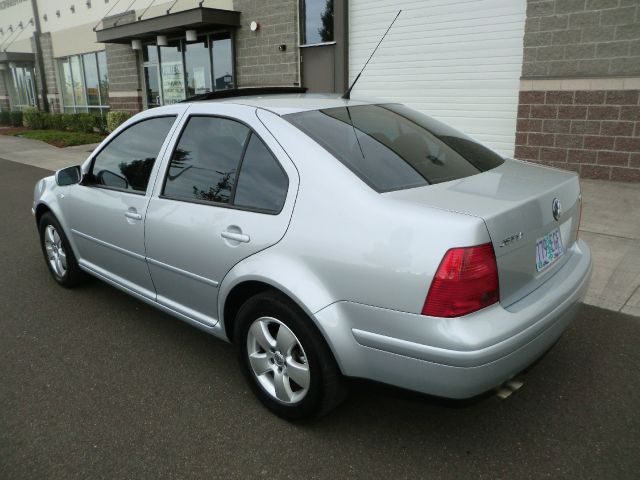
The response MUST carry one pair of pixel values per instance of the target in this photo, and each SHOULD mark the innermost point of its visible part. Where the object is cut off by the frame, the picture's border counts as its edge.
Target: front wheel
(57, 252)
(288, 364)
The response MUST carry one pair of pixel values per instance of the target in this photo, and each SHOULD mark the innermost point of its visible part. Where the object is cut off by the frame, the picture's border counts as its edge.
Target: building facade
(549, 81)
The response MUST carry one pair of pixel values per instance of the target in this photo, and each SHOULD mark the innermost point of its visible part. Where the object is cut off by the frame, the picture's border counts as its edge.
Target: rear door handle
(238, 237)
(133, 215)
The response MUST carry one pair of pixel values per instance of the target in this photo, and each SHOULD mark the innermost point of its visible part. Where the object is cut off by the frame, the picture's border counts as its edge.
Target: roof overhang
(17, 57)
(199, 19)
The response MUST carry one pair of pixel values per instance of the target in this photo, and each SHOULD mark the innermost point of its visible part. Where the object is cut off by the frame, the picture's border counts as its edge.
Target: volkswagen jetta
(327, 238)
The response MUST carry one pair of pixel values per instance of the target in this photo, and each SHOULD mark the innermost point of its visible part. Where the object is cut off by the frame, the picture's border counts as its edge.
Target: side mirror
(69, 176)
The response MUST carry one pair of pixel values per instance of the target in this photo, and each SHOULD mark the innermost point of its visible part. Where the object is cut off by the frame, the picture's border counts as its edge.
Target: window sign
(172, 82)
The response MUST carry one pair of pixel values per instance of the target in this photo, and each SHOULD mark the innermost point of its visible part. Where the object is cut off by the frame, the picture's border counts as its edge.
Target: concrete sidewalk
(610, 223)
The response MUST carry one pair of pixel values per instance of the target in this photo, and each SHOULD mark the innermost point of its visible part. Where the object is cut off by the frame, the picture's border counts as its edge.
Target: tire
(58, 255)
(276, 342)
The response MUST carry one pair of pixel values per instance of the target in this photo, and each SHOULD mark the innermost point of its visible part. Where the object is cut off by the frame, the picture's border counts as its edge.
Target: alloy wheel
(55, 251)
(278, 360)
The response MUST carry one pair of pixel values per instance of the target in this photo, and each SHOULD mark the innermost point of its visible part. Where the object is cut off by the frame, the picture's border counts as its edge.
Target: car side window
(126, 162)
(262, 184)
(205, 162)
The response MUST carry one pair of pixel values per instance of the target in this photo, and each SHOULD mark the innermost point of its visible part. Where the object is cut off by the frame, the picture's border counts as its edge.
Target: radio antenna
(347, 94)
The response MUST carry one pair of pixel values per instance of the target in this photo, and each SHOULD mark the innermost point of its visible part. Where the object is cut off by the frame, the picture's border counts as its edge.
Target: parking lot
(95, 384)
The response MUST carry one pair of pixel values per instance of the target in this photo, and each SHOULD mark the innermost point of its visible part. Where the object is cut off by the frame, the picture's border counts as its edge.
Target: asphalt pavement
(95, 384)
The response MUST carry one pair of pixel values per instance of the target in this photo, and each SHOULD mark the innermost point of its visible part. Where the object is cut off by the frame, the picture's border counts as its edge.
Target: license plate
(548, 249)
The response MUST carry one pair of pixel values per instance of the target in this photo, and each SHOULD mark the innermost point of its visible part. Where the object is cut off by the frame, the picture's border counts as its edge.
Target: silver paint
(357, 262)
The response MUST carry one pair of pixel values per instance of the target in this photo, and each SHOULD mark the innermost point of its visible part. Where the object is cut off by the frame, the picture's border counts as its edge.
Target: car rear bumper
(460, 357)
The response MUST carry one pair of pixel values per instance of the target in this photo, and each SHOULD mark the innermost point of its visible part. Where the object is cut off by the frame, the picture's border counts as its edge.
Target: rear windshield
(393, 147)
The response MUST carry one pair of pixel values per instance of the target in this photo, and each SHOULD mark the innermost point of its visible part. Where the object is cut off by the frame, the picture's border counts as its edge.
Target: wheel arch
(276, 273)
(40, 210)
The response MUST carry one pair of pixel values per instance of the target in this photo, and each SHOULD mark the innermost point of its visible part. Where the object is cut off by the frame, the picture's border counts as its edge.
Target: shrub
(35, 119)
(16, 119)
(80, 122)
(5, 118)
(56, 121)
(114, 119)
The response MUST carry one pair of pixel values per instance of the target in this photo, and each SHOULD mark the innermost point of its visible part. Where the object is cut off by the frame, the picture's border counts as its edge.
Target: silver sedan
(327, 238)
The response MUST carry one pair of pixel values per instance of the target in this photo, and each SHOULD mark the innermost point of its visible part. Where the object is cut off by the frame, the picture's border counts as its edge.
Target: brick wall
(579, 105)
(595, 133)
(258, 60)
(125, 92)
(582, 37)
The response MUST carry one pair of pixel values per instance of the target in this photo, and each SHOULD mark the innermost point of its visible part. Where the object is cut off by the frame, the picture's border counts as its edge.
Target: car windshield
(392, 147)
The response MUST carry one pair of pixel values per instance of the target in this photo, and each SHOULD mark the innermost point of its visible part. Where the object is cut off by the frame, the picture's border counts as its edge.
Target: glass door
(152, 82)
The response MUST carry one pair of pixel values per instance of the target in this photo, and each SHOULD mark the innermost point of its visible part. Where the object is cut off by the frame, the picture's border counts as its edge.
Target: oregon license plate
(548, 249)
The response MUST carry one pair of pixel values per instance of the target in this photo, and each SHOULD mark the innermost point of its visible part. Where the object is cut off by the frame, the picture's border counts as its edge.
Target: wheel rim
(278, 360)
(55, 251)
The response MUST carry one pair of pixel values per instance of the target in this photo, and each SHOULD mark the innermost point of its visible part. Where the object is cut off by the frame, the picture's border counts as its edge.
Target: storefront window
(84, 81)
(316, 19)
(172, 74)
(184, 69)
(22, 87)
(197, 67)
(222, 62)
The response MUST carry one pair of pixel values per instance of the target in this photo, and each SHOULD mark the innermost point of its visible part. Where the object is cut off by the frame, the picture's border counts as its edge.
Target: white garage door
(458, 61)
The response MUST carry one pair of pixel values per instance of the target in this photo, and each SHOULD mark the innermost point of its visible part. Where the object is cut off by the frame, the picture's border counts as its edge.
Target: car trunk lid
(515, 200)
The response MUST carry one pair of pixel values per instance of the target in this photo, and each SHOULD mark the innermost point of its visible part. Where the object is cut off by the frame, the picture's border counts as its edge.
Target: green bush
(16, 119)
(5, 118)
(114, 119)
(56, 121)
(35, 119)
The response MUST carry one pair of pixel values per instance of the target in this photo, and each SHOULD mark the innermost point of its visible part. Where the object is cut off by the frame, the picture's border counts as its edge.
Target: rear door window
(392, 147)
(205, 162)
(222, 161)
(262, 184)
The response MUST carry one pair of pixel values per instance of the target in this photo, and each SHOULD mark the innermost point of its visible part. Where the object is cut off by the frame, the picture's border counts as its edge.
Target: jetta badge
(556, 208)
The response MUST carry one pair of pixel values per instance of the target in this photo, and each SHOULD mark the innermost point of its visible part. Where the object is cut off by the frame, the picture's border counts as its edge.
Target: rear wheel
(57, 252)
(287, 362)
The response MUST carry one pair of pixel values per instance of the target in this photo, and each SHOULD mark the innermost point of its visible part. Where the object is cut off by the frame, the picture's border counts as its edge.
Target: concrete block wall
(50, 73)
(582, 37)
(593, 132)
(125, 91)
(579, 105)
(258, 60)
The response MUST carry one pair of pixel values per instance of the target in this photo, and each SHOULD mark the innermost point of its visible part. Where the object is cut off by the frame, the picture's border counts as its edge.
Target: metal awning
(199, 19)
(17, 57)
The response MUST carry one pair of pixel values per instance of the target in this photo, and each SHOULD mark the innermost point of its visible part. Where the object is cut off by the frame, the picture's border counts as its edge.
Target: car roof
(282, 104)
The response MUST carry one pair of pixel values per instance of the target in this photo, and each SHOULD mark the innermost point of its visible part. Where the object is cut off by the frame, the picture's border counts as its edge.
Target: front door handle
(133, 215)
(237, 237)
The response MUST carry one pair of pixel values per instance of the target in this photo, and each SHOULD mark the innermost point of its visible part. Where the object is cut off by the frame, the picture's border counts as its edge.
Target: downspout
(38, 53)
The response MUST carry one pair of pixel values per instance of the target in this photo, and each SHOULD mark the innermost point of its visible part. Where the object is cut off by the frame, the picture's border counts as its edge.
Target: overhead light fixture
(136, 44)
(58, 13)
(192, 35)
(72, 8)
(161, 40)
(88, 3)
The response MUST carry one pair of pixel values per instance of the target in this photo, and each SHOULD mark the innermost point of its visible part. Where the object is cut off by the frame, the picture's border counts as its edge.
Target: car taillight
(466, 281)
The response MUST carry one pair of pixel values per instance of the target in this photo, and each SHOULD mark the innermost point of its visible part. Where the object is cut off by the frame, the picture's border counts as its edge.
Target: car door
(105, 213)
(226, 192)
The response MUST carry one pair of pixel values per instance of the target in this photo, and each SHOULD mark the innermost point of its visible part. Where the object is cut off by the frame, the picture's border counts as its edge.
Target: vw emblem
(556, 208)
